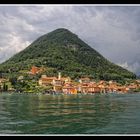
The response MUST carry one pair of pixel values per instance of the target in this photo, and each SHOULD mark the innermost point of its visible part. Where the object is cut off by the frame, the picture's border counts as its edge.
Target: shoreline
(28, 93)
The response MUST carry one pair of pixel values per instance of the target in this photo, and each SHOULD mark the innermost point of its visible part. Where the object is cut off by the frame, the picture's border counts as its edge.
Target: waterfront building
(69, 89)
(45, 81)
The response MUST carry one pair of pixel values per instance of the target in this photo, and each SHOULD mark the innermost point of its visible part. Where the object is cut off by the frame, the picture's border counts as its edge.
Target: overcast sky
(114, 31)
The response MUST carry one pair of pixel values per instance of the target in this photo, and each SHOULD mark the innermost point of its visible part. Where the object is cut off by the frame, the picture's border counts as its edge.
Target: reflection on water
(69, 114)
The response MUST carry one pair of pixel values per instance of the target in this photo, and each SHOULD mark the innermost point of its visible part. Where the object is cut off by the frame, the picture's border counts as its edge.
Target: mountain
(61, 50)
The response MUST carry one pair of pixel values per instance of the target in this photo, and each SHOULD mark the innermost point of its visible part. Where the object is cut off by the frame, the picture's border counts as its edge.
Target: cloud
(14, 45)
(113, 31)
(134, 67)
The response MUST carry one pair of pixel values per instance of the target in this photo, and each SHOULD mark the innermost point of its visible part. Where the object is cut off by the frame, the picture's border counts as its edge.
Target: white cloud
(15, 44)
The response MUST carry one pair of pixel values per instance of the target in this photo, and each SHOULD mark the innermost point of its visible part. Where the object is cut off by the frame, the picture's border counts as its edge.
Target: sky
(114, 31)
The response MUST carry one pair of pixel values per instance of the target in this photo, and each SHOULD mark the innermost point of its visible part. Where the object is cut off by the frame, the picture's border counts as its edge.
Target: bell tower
(59, 75)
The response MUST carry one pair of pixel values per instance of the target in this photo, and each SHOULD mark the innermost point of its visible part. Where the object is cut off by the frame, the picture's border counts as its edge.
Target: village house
(59, 83)
(132, 87)
(35, 70)
(83, 88)
(57, 88)
(102, 82)
(122, 89)
(69, 89)
(20, 78)
(56, 82)
(93, 88)
(111, 87)
(84, 80)
(103, 88)
(46, 81)
(88, 88)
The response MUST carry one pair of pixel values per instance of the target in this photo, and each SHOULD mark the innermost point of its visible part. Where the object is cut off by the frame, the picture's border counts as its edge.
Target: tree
(5, 87)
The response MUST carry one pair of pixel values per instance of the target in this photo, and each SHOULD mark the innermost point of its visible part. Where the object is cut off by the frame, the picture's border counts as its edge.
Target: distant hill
(64, 51)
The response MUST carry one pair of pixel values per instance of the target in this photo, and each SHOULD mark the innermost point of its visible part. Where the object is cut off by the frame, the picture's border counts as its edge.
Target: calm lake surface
(69, 114)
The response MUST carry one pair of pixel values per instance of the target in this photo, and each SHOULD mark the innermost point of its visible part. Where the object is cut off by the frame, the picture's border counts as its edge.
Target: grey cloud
(113, 31)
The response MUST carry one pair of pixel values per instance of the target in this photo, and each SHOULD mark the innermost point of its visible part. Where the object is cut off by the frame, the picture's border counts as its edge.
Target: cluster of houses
(84, 85)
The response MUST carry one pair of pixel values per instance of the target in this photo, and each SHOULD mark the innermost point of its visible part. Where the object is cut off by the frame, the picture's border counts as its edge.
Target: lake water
(69, 114)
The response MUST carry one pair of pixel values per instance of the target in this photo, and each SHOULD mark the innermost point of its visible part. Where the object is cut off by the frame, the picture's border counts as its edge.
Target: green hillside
(64, 51)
